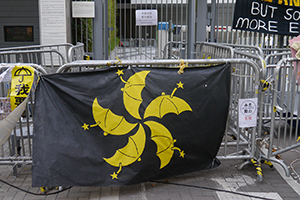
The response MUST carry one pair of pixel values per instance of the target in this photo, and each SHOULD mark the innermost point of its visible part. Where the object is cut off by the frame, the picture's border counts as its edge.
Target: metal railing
(76, 52)
(49, 57)
(212, 50)
(17, 149)
(284, 122)
(175, 50)
(247, 48)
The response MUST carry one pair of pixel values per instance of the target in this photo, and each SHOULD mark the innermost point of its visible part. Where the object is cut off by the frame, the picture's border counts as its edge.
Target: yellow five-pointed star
(182, 154)
(85, 126)
(114, 176)
(119, 72)
(298, 139)
(180, 85)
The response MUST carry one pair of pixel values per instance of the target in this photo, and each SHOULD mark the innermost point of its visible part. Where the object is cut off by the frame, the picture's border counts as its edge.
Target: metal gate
(169, 38)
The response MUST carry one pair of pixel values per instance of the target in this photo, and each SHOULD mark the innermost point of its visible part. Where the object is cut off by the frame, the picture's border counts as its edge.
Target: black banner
(274, 17)
(128, 125)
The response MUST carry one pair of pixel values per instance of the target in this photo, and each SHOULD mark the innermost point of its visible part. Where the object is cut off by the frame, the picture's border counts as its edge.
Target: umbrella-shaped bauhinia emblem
(132, 92)
(165, 104)
(114, 124)
(22, 72)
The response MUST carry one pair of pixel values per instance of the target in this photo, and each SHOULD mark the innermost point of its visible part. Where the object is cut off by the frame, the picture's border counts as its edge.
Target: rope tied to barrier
(182, 66)
(119, 61)
(112, 64)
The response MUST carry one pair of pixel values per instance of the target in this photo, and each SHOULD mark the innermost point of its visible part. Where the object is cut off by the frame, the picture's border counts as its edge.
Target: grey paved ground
(205, 184)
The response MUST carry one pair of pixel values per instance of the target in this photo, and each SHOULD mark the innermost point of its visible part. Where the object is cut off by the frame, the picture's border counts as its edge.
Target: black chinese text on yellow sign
(21, 83)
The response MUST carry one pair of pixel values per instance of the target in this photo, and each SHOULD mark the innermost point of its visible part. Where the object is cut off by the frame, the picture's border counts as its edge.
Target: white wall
(55, 23)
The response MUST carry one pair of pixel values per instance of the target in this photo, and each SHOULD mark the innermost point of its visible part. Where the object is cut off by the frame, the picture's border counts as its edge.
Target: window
(18, 33)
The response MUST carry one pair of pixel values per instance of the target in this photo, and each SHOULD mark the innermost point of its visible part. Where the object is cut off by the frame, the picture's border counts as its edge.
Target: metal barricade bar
(213, 50)
(171, 52)
(274, 58)
(32, 56)
(246, 48)
(76, 52)
(271, 51)
(58, 47)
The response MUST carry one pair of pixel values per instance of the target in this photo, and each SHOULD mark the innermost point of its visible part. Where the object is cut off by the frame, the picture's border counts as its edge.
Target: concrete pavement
(221, 183)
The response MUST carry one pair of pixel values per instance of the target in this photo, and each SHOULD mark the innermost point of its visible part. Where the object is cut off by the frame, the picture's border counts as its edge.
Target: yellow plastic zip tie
(182, 66)
(119, 61)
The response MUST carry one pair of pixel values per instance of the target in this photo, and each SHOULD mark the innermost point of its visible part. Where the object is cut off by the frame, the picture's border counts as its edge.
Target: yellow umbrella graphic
(132, 93)
(22, 72)
(165, 104)
(114, 124)
(164, 142)
(109, 122)
(130, 153)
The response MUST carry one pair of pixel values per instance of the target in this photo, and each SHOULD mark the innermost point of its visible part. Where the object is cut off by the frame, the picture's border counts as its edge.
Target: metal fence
(124, 39)
(210, 50)
(284, 108)
(17, 149)
(50, 57)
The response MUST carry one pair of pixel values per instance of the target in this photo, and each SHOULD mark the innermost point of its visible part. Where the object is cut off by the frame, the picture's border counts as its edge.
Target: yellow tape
(21, 83)
(86, 57)
(265, 85)
(264, 63)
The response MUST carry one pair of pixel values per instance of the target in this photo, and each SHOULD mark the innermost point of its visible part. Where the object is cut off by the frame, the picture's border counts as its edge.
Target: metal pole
(106, 36)
(201, 20)
(98, 31)
(191, 27)
(212, 27)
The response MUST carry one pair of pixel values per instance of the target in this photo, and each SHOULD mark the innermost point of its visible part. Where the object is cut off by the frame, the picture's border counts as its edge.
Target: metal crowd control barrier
(175, 50)
(246, 48)
(212, 50)
(45, 58)
(284, 118)
(271, 51)
(48, 56)
(17, 150)
(76, 52)
(215, 50)
(238, 143)
(274, 58)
